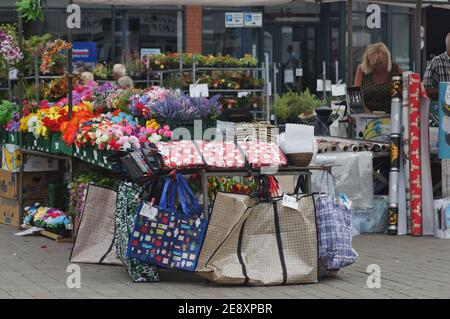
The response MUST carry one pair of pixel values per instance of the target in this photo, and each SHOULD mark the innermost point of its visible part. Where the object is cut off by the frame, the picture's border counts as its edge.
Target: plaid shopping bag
(166, 237)
(335, 232)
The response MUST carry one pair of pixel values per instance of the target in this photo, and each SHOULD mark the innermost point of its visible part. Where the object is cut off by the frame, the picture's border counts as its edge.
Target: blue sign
(229, 17)
(444, 121)
(84, 52)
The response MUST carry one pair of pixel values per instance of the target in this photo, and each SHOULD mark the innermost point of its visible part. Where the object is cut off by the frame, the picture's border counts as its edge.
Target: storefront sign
(374, 18)
(234, 20)
(84, 52)
(159, 25)
(253, 19)
(74, 18)
(149, 51)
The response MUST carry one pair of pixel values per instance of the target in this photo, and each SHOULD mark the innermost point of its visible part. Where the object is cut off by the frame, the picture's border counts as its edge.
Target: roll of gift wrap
(405, 146)
(395, 154)
(415, 171)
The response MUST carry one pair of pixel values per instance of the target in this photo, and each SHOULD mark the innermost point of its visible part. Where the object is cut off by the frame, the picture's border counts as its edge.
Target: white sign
(253, 19)
(289, 76)
(234, 20)
(320, 85)
(148, 211)
(338, 89)
(290, 201)
(243, 94)
(12, 74)
(299, 72)
(198, 90)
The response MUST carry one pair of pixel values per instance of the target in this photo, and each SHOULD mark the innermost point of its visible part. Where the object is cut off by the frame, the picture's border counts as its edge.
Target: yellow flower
(42, 130)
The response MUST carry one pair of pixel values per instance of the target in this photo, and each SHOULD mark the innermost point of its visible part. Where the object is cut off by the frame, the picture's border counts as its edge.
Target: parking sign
(234, 20)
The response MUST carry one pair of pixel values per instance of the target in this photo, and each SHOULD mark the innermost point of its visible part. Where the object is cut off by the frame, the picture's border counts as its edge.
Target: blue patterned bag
(334, 228)
(165, 237)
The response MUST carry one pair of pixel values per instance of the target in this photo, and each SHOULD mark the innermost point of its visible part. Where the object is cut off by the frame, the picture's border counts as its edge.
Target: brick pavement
(35, 267)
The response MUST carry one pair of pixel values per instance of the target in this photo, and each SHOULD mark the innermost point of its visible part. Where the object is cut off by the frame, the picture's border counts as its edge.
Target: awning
(445, 4)
(221, 3)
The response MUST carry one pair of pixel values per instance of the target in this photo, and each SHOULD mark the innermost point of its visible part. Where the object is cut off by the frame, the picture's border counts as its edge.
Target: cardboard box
(35, 184)
(11, 161)
(9, 211)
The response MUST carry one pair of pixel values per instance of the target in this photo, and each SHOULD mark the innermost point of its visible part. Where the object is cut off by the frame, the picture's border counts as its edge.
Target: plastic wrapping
(354, 176)
(371, 220)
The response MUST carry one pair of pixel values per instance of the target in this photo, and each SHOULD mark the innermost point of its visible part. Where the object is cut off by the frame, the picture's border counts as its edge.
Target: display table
(281, 171)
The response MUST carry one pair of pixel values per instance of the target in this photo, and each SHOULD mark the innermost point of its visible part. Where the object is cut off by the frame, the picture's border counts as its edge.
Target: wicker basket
(260, 131)
(299, 159)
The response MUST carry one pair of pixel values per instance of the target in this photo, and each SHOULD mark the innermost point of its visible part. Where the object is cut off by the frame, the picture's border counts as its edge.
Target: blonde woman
(374, 76)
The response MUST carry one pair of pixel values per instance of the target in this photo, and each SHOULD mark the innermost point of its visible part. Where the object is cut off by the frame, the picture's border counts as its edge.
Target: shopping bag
(334, 229)
(165, 237)
(95, 235)
(128, 200)
(269, 244)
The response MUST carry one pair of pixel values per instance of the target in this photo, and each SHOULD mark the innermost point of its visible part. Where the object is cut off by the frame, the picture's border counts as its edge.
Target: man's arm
(431, 81)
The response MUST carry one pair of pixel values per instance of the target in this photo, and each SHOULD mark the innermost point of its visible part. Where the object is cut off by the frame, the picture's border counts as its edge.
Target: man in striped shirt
(438, 71)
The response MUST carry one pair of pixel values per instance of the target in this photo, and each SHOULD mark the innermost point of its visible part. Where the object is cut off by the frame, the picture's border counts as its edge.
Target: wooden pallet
(55, 237)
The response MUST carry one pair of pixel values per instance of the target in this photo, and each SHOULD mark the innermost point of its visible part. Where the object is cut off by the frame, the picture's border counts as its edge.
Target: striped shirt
(437, 71)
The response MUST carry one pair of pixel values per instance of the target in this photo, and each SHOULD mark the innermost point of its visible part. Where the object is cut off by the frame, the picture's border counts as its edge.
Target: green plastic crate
(56, 143)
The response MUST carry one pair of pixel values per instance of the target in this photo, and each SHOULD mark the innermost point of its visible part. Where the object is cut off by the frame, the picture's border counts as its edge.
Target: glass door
(293, 48)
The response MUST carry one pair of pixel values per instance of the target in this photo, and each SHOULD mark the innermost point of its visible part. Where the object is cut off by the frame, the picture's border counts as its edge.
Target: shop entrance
(294, 49)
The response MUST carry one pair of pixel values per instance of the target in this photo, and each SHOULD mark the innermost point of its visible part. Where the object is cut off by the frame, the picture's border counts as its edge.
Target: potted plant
(291, 104)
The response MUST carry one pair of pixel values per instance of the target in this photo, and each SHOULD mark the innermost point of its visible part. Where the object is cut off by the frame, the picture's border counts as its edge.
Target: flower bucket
(44, 144)
(13, 138)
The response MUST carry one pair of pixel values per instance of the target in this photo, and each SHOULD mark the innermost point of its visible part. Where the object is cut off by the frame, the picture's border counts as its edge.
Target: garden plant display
(10, 53)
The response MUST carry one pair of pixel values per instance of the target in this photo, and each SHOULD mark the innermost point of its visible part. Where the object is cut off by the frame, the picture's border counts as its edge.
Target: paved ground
(35, 267)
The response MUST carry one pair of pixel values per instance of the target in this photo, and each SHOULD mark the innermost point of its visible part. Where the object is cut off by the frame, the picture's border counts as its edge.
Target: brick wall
(193, 29)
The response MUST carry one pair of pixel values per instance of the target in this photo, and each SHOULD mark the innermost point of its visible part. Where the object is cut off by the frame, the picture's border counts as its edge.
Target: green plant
(291, 104)
(30, 10)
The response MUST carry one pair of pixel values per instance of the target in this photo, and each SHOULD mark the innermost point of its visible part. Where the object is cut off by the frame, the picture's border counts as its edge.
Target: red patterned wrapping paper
(415, 172)
(261, 154)
(221, 154)
(180, 154)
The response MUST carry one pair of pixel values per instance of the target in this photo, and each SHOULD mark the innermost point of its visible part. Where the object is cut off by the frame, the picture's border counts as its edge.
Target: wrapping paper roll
(415, 171)
(395, 154)
(405, 152)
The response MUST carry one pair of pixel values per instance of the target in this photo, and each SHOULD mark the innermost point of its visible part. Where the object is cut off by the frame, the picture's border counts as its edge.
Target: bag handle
(187, 196)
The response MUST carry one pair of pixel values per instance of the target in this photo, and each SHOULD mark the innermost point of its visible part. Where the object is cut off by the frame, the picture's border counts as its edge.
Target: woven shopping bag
(334, 229)
(166, 237)
(128, 200)
(95, 234)
(270, 244)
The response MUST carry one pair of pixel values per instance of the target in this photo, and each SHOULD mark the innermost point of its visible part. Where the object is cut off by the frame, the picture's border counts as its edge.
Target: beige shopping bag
(270, 244)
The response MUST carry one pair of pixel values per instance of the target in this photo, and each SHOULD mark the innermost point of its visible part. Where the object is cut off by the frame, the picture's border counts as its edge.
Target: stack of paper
(298, 138)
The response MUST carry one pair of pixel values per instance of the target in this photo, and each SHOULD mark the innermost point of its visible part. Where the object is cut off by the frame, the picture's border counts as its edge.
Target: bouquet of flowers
(100, 95)
(81, 114)
(153, 132)
(141, 104)
(206, 107)
(14, 124)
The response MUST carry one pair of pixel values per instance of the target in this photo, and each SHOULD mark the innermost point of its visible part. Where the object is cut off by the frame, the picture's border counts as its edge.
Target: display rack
(258, 73)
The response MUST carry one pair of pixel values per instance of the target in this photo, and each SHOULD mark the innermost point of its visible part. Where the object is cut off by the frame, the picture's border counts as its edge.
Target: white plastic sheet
(354, 176)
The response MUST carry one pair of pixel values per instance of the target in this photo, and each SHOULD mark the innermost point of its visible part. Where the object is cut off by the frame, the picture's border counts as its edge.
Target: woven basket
(299, 159)
(260, 131)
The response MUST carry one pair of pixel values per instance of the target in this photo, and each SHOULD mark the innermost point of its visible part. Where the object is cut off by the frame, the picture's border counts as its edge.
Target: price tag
(290, 201)
(95, 155)
(198, 90)
(243, 94)
(149, 211)
(347, 203)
